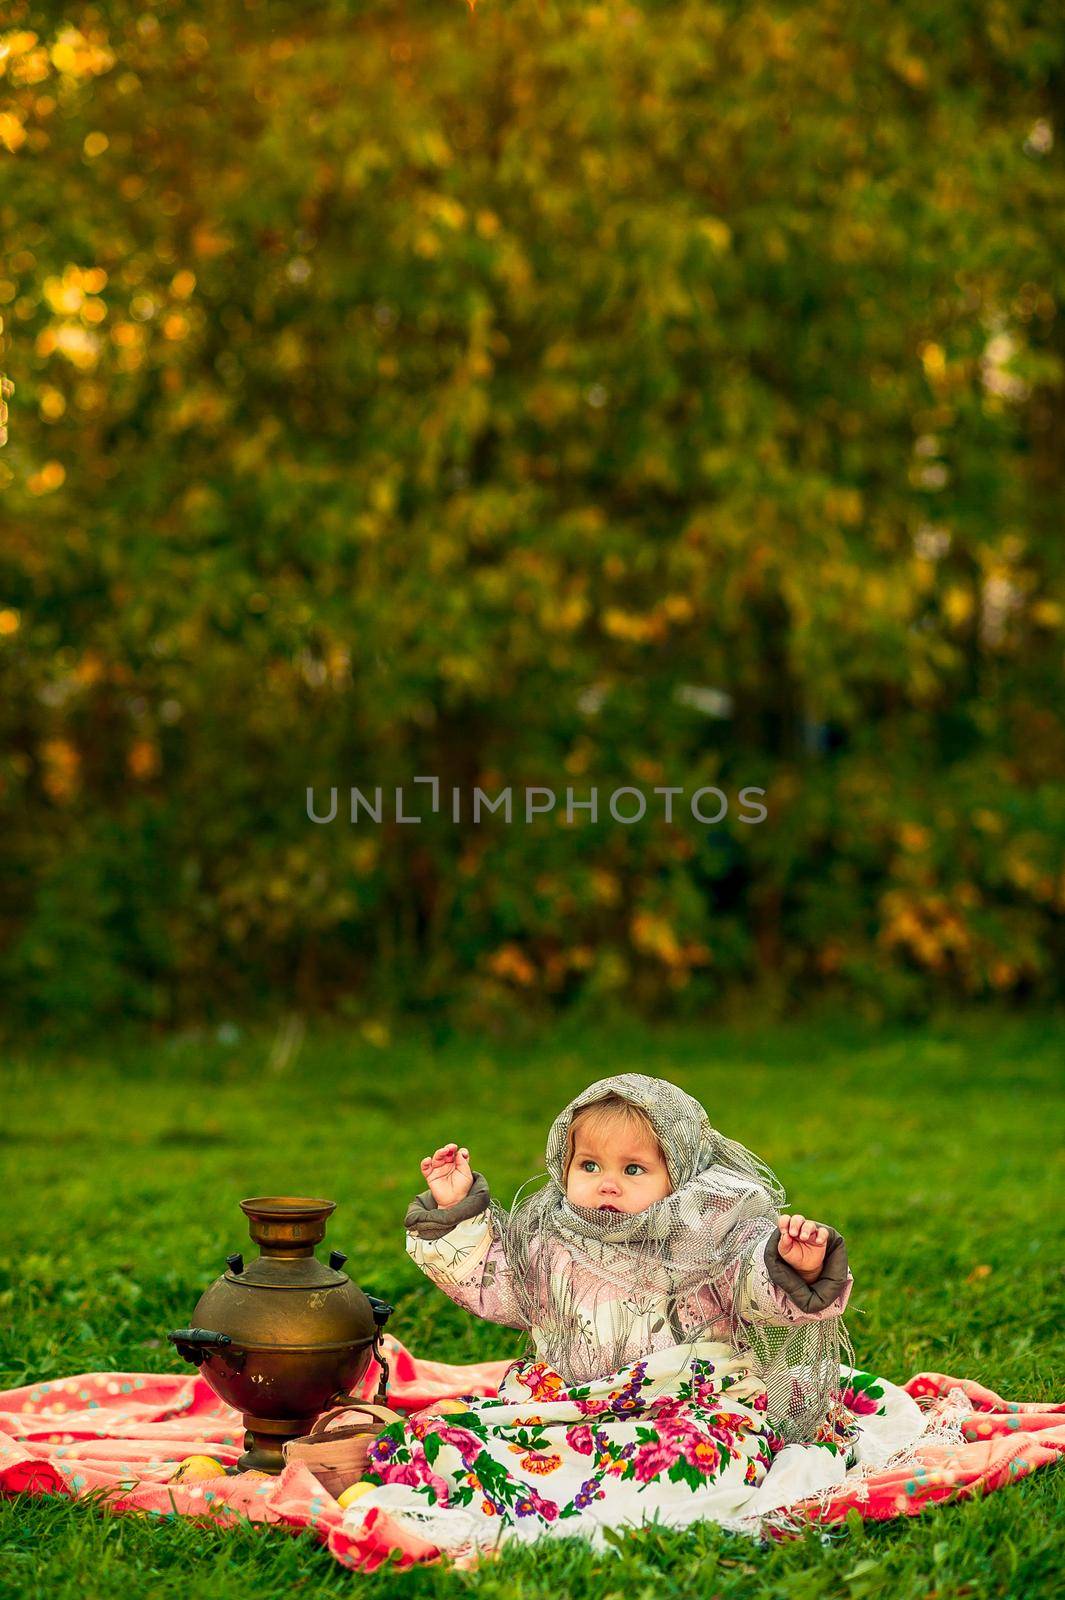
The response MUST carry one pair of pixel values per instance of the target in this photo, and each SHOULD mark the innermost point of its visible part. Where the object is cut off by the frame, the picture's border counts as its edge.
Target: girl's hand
(448, 1174)
(802, 1245)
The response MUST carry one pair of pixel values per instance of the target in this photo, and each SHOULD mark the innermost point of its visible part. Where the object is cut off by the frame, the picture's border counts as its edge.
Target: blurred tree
(604, 394)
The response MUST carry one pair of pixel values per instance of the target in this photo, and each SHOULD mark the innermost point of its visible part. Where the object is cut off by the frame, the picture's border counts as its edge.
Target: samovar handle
(381, 1313)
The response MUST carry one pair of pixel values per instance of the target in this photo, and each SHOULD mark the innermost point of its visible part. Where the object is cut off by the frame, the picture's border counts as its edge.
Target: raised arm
(760, 1282)
(775, 1291)
(458, 1247)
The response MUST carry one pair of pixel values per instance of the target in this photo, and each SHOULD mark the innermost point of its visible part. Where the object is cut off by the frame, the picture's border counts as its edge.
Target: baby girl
(654, 1230)
(683, 1327)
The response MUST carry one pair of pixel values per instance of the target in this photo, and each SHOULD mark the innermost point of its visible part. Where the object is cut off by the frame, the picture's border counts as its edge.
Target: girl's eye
(633, 1169)
(588, 1166)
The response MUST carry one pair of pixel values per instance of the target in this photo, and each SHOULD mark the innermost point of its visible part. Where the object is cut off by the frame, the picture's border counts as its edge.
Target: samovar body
(285, 1335)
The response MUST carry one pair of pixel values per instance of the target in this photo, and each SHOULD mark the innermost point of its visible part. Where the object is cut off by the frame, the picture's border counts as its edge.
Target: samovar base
(265, 1439)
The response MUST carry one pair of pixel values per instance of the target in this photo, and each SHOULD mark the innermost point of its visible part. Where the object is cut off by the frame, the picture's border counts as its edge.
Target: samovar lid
(287, 1225)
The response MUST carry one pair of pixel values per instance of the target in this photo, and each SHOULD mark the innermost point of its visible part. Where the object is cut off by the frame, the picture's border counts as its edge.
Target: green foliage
(455, 393)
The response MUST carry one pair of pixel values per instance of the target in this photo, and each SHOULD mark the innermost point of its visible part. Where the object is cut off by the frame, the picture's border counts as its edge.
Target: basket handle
(382, 1412)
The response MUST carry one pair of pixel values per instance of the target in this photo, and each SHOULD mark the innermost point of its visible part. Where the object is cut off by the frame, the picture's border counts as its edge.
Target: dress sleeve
(459, 1249)
(771, 1290)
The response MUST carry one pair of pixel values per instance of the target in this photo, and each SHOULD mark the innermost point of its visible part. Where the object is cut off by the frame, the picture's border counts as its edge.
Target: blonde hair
(611, 1109)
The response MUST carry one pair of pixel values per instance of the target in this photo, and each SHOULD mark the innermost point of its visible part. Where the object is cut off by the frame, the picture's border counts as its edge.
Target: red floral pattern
(626, 1434)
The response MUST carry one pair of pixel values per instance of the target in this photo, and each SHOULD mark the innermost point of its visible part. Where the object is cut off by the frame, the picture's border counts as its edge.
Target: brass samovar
(286, 1336)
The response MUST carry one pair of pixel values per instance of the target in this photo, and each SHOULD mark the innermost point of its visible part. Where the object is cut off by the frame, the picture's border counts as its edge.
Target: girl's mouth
(611, 1208)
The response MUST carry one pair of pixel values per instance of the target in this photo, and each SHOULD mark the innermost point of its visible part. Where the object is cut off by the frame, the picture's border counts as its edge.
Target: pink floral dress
(676, 1437)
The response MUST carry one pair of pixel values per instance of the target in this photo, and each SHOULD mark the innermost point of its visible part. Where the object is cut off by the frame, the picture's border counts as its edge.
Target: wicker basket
(338, 1456)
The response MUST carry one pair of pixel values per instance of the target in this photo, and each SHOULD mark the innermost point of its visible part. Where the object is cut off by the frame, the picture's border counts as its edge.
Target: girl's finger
(822, 1234)
(809, 1232)
(796, 1225)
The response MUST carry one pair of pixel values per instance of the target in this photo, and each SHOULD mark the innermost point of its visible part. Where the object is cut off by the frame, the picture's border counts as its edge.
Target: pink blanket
(124, 1433)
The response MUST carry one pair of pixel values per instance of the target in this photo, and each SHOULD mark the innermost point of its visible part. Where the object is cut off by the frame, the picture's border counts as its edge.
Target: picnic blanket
(117, 1437)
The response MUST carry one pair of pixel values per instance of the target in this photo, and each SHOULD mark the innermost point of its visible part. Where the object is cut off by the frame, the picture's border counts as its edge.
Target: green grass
(933, 1150)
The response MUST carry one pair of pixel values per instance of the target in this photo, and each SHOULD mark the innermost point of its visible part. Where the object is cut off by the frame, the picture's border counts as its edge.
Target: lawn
(938, 1158)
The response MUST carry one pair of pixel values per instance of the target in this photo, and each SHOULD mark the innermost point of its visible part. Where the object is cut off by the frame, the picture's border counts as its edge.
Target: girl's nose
(608, 1186)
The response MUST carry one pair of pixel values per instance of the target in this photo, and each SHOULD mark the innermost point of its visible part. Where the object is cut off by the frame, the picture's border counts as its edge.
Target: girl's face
(615, 1167)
